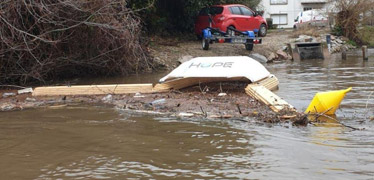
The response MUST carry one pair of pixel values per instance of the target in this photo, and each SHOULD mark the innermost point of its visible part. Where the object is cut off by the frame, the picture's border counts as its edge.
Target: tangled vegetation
(43, 40)
(170, 16)
(350, 15)
(366, 34)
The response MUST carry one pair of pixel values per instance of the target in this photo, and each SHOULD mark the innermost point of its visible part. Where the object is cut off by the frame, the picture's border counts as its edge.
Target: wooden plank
(270, 99)
(186, 82)
(261, 99)
(93, 89)
(270, 83)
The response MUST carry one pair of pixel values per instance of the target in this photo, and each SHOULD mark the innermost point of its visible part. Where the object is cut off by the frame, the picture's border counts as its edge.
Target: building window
(307, 8)
(279, 19)
(278, 2)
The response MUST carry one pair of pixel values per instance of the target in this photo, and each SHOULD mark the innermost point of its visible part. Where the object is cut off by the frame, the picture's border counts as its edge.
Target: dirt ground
(167, 51)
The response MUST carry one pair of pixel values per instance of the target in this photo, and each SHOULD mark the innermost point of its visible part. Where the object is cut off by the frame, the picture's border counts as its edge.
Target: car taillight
(221, 18)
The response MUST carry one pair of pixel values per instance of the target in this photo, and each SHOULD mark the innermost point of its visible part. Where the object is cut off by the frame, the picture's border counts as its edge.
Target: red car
(237, 16)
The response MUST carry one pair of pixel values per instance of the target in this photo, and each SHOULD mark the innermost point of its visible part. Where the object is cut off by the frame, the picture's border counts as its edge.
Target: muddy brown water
(89, 142)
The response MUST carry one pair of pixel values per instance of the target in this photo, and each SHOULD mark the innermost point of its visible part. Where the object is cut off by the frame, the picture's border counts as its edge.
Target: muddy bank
(170, 52)
(167, 51)
(207, 101)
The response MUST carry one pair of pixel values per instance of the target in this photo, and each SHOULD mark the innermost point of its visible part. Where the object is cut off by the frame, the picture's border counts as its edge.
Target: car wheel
(205, 44)
(263, 30)
(249, 47)
(230, 32)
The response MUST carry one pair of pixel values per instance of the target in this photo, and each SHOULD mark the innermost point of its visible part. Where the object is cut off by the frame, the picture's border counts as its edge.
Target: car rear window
(235, 10)
(211, 10)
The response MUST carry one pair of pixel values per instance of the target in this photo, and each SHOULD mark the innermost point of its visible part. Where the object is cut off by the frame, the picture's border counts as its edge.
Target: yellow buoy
(326, 102)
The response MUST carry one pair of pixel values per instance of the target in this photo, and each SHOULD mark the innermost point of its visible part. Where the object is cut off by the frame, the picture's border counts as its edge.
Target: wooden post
(365, 53)
(344, 54)
(328, 41)
(290, 50)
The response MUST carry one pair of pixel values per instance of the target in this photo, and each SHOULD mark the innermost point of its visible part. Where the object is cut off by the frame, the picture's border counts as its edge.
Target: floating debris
(24, 91)
(8, 95)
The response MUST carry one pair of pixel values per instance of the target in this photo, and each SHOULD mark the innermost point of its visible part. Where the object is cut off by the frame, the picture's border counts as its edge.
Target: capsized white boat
(214, 69)
(222, 67)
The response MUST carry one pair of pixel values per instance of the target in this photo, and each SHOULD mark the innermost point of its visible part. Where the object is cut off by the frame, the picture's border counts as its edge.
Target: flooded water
(299, 81)
(87, 142)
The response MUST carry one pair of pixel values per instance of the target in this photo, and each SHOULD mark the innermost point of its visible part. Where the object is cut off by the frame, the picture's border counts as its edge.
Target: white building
(284, 12)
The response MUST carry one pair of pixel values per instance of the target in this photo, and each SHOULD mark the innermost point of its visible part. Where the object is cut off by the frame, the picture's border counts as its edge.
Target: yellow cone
(326, 102)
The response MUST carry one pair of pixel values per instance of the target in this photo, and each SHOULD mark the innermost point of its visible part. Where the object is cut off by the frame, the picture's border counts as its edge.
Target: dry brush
(350, 15)
(44, 40)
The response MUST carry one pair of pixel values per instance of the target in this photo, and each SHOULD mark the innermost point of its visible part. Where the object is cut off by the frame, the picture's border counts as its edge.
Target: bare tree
(350, 15)
(48, 39)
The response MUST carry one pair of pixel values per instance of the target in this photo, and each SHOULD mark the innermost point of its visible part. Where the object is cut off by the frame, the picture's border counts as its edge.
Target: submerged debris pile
(225, 100)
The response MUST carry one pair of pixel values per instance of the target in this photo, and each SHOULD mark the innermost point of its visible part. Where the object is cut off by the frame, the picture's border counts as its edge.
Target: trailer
(214, 35)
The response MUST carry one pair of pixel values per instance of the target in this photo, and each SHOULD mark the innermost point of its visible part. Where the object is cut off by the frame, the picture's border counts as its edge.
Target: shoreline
(224, 102)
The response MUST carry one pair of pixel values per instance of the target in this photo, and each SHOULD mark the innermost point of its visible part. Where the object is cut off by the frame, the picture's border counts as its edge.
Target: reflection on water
(94, 142)
(80, 142)
(299, 81)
